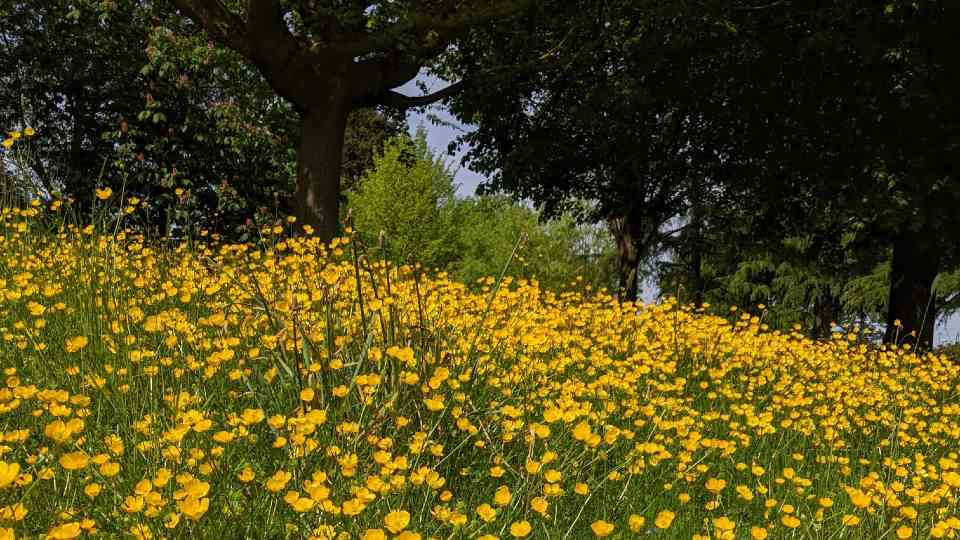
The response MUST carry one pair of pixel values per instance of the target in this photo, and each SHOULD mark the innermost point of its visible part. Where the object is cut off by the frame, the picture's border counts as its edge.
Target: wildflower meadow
(287, 388)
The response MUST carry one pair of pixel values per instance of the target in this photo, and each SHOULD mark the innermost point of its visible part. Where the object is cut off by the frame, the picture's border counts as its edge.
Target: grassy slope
(290, 390)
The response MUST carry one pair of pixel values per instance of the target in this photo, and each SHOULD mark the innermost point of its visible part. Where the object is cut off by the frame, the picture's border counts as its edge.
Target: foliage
(328, 58)
(633, 103)
(67, 74)
(281, 389)
(408, 203)
(558, 253)
(947, 287)
(127, 94)
(408, 197)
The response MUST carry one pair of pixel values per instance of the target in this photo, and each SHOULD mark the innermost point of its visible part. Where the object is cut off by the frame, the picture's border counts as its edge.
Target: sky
(440, 135)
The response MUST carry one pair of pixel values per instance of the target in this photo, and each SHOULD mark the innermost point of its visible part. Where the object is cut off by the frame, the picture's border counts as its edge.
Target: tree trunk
(695, 284)
(316, 201)
(629, 244)
(916, 262)
(826, 308)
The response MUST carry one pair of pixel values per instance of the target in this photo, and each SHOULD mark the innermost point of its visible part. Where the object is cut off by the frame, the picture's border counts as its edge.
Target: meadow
(291, 389)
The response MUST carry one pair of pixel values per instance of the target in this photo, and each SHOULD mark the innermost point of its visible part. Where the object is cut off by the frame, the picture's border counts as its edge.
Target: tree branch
(266, 27)
(400, 101)
(223, 25)
(439, 29)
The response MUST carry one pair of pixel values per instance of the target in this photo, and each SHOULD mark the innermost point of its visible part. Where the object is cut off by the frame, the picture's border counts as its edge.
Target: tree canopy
(327, 58)
(130, 95)
(791, 112)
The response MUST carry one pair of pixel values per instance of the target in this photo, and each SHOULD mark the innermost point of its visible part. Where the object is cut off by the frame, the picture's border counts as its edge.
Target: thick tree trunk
(629, 251)
(916, 262)
(316, 201)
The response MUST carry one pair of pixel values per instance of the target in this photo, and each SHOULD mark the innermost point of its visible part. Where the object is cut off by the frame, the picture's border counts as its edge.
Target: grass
(289, 389)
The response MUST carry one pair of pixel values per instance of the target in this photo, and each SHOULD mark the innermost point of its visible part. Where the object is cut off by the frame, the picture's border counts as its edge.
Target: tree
(128, 94)
(566, 119)
(846, 112)
(65, 72)
(557, 253)
(408, 197)
(328, 58)
(855, 117)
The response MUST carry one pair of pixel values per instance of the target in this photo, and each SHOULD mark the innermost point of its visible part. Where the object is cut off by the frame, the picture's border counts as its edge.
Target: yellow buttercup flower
(8, 473)
(601, 528)
(278, 481)
(103, 193)
(723, 523)
(790, 521)
(193, 507)
(520, 529)
(486, 512)
(396, 521)
(664, 519)
(502, 496)
(74, 460)
(65, 531)
(75, 344)
(715, 485)
(850, 520)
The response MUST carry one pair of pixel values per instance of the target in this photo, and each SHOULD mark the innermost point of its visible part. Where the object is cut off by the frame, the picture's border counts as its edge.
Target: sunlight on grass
(294, 390)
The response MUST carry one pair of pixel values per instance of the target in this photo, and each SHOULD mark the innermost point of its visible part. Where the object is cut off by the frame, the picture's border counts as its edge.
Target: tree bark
(826, 308)
(325, 83)
(319, 157)
(695, 283)
(916, 262)
(629, 251)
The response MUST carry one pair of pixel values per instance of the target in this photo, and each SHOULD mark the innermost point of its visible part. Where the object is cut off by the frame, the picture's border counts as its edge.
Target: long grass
(291, 389)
